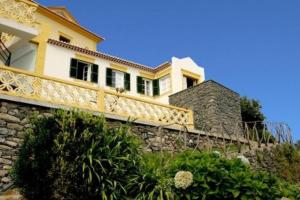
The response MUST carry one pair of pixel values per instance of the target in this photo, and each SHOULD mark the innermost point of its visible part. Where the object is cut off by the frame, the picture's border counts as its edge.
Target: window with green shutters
(140, 85)
(115, 78)
(127, 81)
(144, 86)
(155, 87)
(81, 70)
(94, 73)
(109, 77)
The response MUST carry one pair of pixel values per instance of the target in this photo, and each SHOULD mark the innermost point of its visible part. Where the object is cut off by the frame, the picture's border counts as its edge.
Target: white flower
(217, 153)
(183, 179)
(284, 198)
(243, 159)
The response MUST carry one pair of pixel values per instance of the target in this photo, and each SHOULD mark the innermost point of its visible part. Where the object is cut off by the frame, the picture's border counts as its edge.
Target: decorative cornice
(109, 57)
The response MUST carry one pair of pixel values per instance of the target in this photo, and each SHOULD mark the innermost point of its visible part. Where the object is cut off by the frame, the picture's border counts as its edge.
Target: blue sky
(251, 46)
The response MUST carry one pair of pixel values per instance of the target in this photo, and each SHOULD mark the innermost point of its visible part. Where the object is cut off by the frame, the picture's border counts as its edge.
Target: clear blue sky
(251, 46)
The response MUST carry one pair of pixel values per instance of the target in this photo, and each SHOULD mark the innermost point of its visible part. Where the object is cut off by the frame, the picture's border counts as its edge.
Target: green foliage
(297, 145)
(74, 155)
(251, 110)
(214, 178)
(220, 178)
(287, 160)
(253, 117)
(31, 170)
(153, 180)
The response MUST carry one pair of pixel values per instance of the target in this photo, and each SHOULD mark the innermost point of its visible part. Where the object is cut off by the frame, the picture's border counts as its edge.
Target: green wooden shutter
(127, 81)
(155, 84)
(73, 68)
(109, 77)
(140, 85)
(94, 74)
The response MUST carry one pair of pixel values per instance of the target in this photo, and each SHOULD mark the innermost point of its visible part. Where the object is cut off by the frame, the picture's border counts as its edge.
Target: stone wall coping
(205, 82)
(117, 117)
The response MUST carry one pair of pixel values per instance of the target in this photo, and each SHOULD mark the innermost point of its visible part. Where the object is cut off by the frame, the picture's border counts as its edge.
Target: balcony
(18, 26)
(27, 85)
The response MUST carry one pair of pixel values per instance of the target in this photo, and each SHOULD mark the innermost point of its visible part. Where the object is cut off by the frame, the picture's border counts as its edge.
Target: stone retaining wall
(14, 120)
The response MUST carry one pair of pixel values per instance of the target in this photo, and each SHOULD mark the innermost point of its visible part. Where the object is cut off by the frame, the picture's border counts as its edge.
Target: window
(117, 79)
(144, 86)
(64, 39)
(164, 84)
(188, 82)
(84, 70)
(147, 87)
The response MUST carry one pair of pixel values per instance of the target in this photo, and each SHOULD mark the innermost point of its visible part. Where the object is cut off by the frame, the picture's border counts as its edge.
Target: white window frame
(118, 79)
(86, 71)
(148, 87)
(165, 84)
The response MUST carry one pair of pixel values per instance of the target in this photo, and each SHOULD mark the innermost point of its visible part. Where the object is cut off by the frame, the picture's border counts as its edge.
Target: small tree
(253, 117)
(251, 110)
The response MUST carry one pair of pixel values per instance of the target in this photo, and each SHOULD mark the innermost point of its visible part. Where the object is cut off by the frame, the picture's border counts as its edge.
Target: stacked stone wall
(216, 108)
(15, 118)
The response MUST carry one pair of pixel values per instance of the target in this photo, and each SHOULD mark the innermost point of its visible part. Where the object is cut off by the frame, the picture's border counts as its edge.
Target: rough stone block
(9, 118)
(5, 161)
(14, 126)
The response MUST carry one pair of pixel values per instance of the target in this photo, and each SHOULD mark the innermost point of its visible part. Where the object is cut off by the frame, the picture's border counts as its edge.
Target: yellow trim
(15, 69)
(100, 100)
(191, 74)
(28, 2)
(100, 106)
(146, 74)
(41, 40)
(144, 100)
(118, 67)
(85, 58)
(157, 75)
(75, 27)
(163, 72)
(84, 82)
(65, 35)
(191, 118)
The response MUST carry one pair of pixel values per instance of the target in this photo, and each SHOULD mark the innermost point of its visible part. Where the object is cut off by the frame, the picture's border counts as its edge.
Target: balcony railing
(20, 83)
(5, 54)
(19, 11)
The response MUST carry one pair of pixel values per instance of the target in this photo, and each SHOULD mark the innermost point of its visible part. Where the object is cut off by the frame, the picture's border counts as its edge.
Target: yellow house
(47, 56)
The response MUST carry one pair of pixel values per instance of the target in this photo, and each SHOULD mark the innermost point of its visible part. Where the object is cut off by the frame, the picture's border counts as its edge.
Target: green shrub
(220, 178)
(153, 181)
(214, 178)
(74, 155)
(287, 162)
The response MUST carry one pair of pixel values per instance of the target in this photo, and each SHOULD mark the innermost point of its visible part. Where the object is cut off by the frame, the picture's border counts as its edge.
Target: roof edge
(96, 37)
(109, 57)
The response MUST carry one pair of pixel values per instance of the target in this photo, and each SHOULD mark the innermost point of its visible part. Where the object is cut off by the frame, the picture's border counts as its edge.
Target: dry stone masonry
(216, 108)
(14, 120)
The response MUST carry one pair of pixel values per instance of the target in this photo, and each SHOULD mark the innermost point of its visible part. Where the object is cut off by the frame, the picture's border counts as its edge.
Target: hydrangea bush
(183, 179)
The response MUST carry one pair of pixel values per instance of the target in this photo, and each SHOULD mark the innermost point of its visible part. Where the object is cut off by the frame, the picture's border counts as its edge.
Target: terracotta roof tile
(109, 57)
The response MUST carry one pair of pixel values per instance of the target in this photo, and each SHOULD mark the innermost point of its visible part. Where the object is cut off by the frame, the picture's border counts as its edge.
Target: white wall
(185, 64)
(57, 64)
(24, 57)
